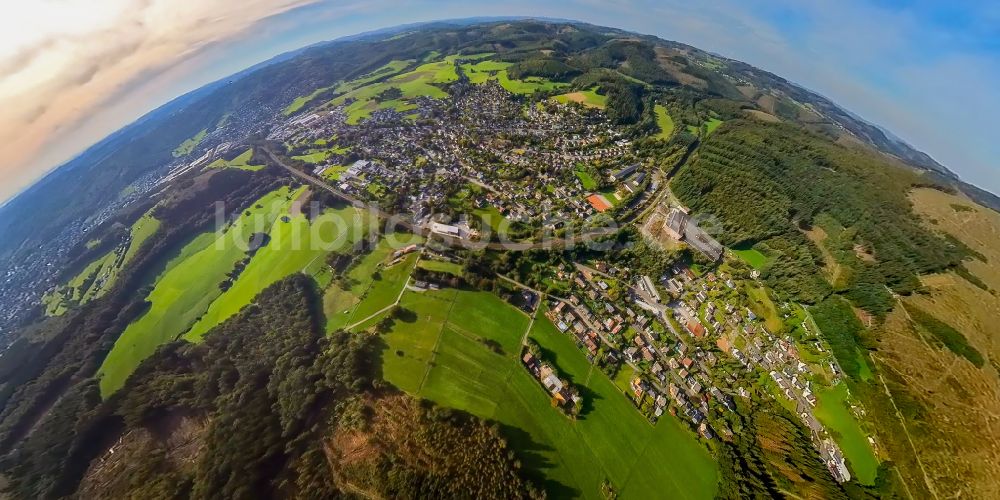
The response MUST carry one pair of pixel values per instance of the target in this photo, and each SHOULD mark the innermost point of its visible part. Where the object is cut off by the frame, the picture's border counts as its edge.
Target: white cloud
(62, 60)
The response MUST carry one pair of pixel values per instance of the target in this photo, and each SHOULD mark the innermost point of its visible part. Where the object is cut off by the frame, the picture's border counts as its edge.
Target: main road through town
(591, 236)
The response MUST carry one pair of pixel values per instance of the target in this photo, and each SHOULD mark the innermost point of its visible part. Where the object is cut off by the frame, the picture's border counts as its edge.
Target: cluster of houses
(778, 356)
(483, 137)
(563, 394)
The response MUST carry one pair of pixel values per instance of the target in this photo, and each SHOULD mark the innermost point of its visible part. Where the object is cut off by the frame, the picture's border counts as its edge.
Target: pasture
(186, 290)
(185, 148)
(296, 245)
(367, 286)
(94, 280)
(242, 162)
(663, 121)
(461, 349)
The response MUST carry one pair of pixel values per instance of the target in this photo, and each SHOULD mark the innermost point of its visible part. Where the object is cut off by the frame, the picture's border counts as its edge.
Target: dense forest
(767, 184)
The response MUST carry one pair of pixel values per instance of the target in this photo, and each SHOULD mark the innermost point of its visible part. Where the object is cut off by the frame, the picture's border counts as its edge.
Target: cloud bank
(62, 61)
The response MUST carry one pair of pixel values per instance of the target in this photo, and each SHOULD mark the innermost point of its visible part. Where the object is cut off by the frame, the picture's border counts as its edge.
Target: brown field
(955, 429)
(762, 116)
(766, 102)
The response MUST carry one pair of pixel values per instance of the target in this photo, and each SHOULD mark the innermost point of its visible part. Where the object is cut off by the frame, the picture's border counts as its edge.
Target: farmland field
(296, 245)
(101, 274)
(834, 414)
(186, 147)
(186, 290)
(663, 121)
(442, 355)
(368, 287)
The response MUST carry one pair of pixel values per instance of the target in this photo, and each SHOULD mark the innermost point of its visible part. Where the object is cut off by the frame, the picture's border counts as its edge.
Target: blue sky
(925, 70)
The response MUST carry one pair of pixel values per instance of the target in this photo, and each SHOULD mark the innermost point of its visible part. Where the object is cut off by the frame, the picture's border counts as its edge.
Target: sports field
(187, 288)
(832, 411)
(461, 349)
(589, 98)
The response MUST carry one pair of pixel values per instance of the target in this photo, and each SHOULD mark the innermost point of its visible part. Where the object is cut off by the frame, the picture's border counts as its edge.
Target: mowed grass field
(754, 258)
(187, 288)
(441, 266)
(589, 98)
(296, 245)
(241, 162)
(832, 411)
(442, 355)
(586, 180)
(369, 286)
(663, 121)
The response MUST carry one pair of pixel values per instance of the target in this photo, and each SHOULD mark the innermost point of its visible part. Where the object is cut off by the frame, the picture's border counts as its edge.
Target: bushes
(843, 331)
(944, 335)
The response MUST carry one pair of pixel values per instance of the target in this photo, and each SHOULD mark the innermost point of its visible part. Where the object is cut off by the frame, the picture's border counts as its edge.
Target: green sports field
(461, 349)
(589, 98)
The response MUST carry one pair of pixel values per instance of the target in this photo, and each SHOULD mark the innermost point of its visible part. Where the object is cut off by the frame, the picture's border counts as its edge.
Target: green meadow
(241, 162)
(833, 412)
(296, 245)
(754, 258)
(462, 348)
(711, 125)
(441, 266)
(186, 289)
(586, 180)
(663, 121)
(369, 286)
(100, 275)
(185, 148)
(422, 81)
(589, 98)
